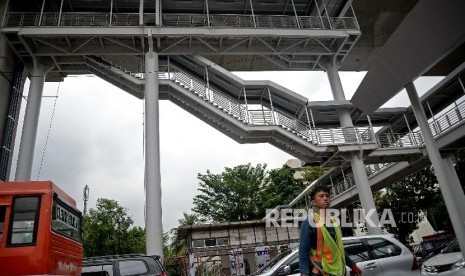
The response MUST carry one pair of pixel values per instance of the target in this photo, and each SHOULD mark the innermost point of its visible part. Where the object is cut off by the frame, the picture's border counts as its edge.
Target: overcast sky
(96, 139)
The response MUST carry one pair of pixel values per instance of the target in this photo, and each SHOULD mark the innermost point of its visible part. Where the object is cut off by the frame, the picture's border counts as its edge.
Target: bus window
(65, 220)
(25, 215)
(2, 221)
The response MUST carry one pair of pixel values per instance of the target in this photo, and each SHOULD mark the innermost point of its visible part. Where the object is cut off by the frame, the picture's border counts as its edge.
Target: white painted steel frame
(356, 161)
(153, 195)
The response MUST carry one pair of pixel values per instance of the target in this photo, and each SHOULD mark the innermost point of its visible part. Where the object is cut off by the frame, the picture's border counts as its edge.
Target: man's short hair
(319, 188)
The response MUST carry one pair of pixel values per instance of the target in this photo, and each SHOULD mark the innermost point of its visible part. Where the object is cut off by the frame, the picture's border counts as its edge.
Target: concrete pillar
(31, 121)
(356, 161)
(454, 182)
(447, 177)
(153, 212)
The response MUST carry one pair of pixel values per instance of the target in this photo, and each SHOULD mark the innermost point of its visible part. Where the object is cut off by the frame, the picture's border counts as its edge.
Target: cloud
(96, 139)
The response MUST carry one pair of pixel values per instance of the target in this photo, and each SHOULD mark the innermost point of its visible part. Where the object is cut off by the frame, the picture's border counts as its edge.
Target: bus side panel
(25, 259)
(21, 261)
(65, 256)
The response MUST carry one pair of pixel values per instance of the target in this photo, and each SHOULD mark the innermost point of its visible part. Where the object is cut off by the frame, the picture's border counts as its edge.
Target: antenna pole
(86, 198)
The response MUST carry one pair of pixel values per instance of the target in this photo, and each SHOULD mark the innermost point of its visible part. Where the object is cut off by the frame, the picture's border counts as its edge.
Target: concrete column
(153, 212)
(454, 182)
(446, 176)
(31, 121)
(338, 94)
(141, 13)
(158, 13)
(358, 166)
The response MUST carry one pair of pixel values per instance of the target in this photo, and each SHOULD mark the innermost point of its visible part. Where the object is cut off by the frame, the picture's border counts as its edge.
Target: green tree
(419, 191)
(166, 245)
(190, 219)
(312, 173)
(137, 240)
(178, 246)
(107, 231)
(281, 187)
(436, 212)
(406, 198)
(231, 195)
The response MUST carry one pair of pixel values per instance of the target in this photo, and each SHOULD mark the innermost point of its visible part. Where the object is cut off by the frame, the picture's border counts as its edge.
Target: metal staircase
(242, 117)
(265, 112)
(221, 99)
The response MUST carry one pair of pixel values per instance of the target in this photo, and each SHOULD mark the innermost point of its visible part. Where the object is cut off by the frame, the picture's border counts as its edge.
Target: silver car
(375, 255)
(449, 262)
(381, 255)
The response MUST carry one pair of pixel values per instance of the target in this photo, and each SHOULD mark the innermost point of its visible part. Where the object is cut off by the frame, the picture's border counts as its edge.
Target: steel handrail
(105, 19)
(333, 136)
(451, 117)
(263, 116)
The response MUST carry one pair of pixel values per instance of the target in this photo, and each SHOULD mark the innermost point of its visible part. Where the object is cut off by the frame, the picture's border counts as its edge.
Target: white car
(449, 262)
(375, 255)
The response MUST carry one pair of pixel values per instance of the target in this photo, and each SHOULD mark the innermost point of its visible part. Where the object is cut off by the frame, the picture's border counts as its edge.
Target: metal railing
(345, 135)
(335, 136)
(265, 116)
(400, 140)
(240, 110)
(438, 125)
(99, 19)
(450, 118)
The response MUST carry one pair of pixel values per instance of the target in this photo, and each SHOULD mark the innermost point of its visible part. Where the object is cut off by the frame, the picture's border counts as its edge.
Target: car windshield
(452, 247)
(273, 262)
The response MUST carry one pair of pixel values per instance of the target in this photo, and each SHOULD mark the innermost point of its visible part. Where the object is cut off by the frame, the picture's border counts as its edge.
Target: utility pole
(86, 198)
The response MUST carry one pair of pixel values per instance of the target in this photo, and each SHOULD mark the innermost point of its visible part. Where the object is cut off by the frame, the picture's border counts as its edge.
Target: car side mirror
(284, 270)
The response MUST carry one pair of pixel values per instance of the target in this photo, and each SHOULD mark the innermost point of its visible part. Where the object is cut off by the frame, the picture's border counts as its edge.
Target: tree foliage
(174, 246)
(107, 230)
(281, 187)
(312, 173)
(231, 195)
(406, 198)
(436, 212)
(244, 192)
(177, 246)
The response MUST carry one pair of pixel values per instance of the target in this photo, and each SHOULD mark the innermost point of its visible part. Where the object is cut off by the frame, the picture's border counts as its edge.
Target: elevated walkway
(269, 113)
(263, 111)
(288, 41)
(448, 128)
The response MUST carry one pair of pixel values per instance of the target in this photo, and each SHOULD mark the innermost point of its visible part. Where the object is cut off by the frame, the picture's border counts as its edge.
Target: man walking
(321, 251)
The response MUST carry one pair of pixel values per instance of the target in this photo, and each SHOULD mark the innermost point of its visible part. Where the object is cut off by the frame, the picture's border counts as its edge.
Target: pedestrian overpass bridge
(265, 112)
(195, 44)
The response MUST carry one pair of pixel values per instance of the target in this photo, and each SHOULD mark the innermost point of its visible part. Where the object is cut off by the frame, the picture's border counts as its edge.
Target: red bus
(40, 230)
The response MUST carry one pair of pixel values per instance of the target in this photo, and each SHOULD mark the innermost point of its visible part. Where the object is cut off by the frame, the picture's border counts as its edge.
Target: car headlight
(458, 265)
(428, 269)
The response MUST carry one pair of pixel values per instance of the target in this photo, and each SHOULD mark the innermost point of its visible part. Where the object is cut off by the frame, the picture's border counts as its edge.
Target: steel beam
(153, 207)
(175, 31)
